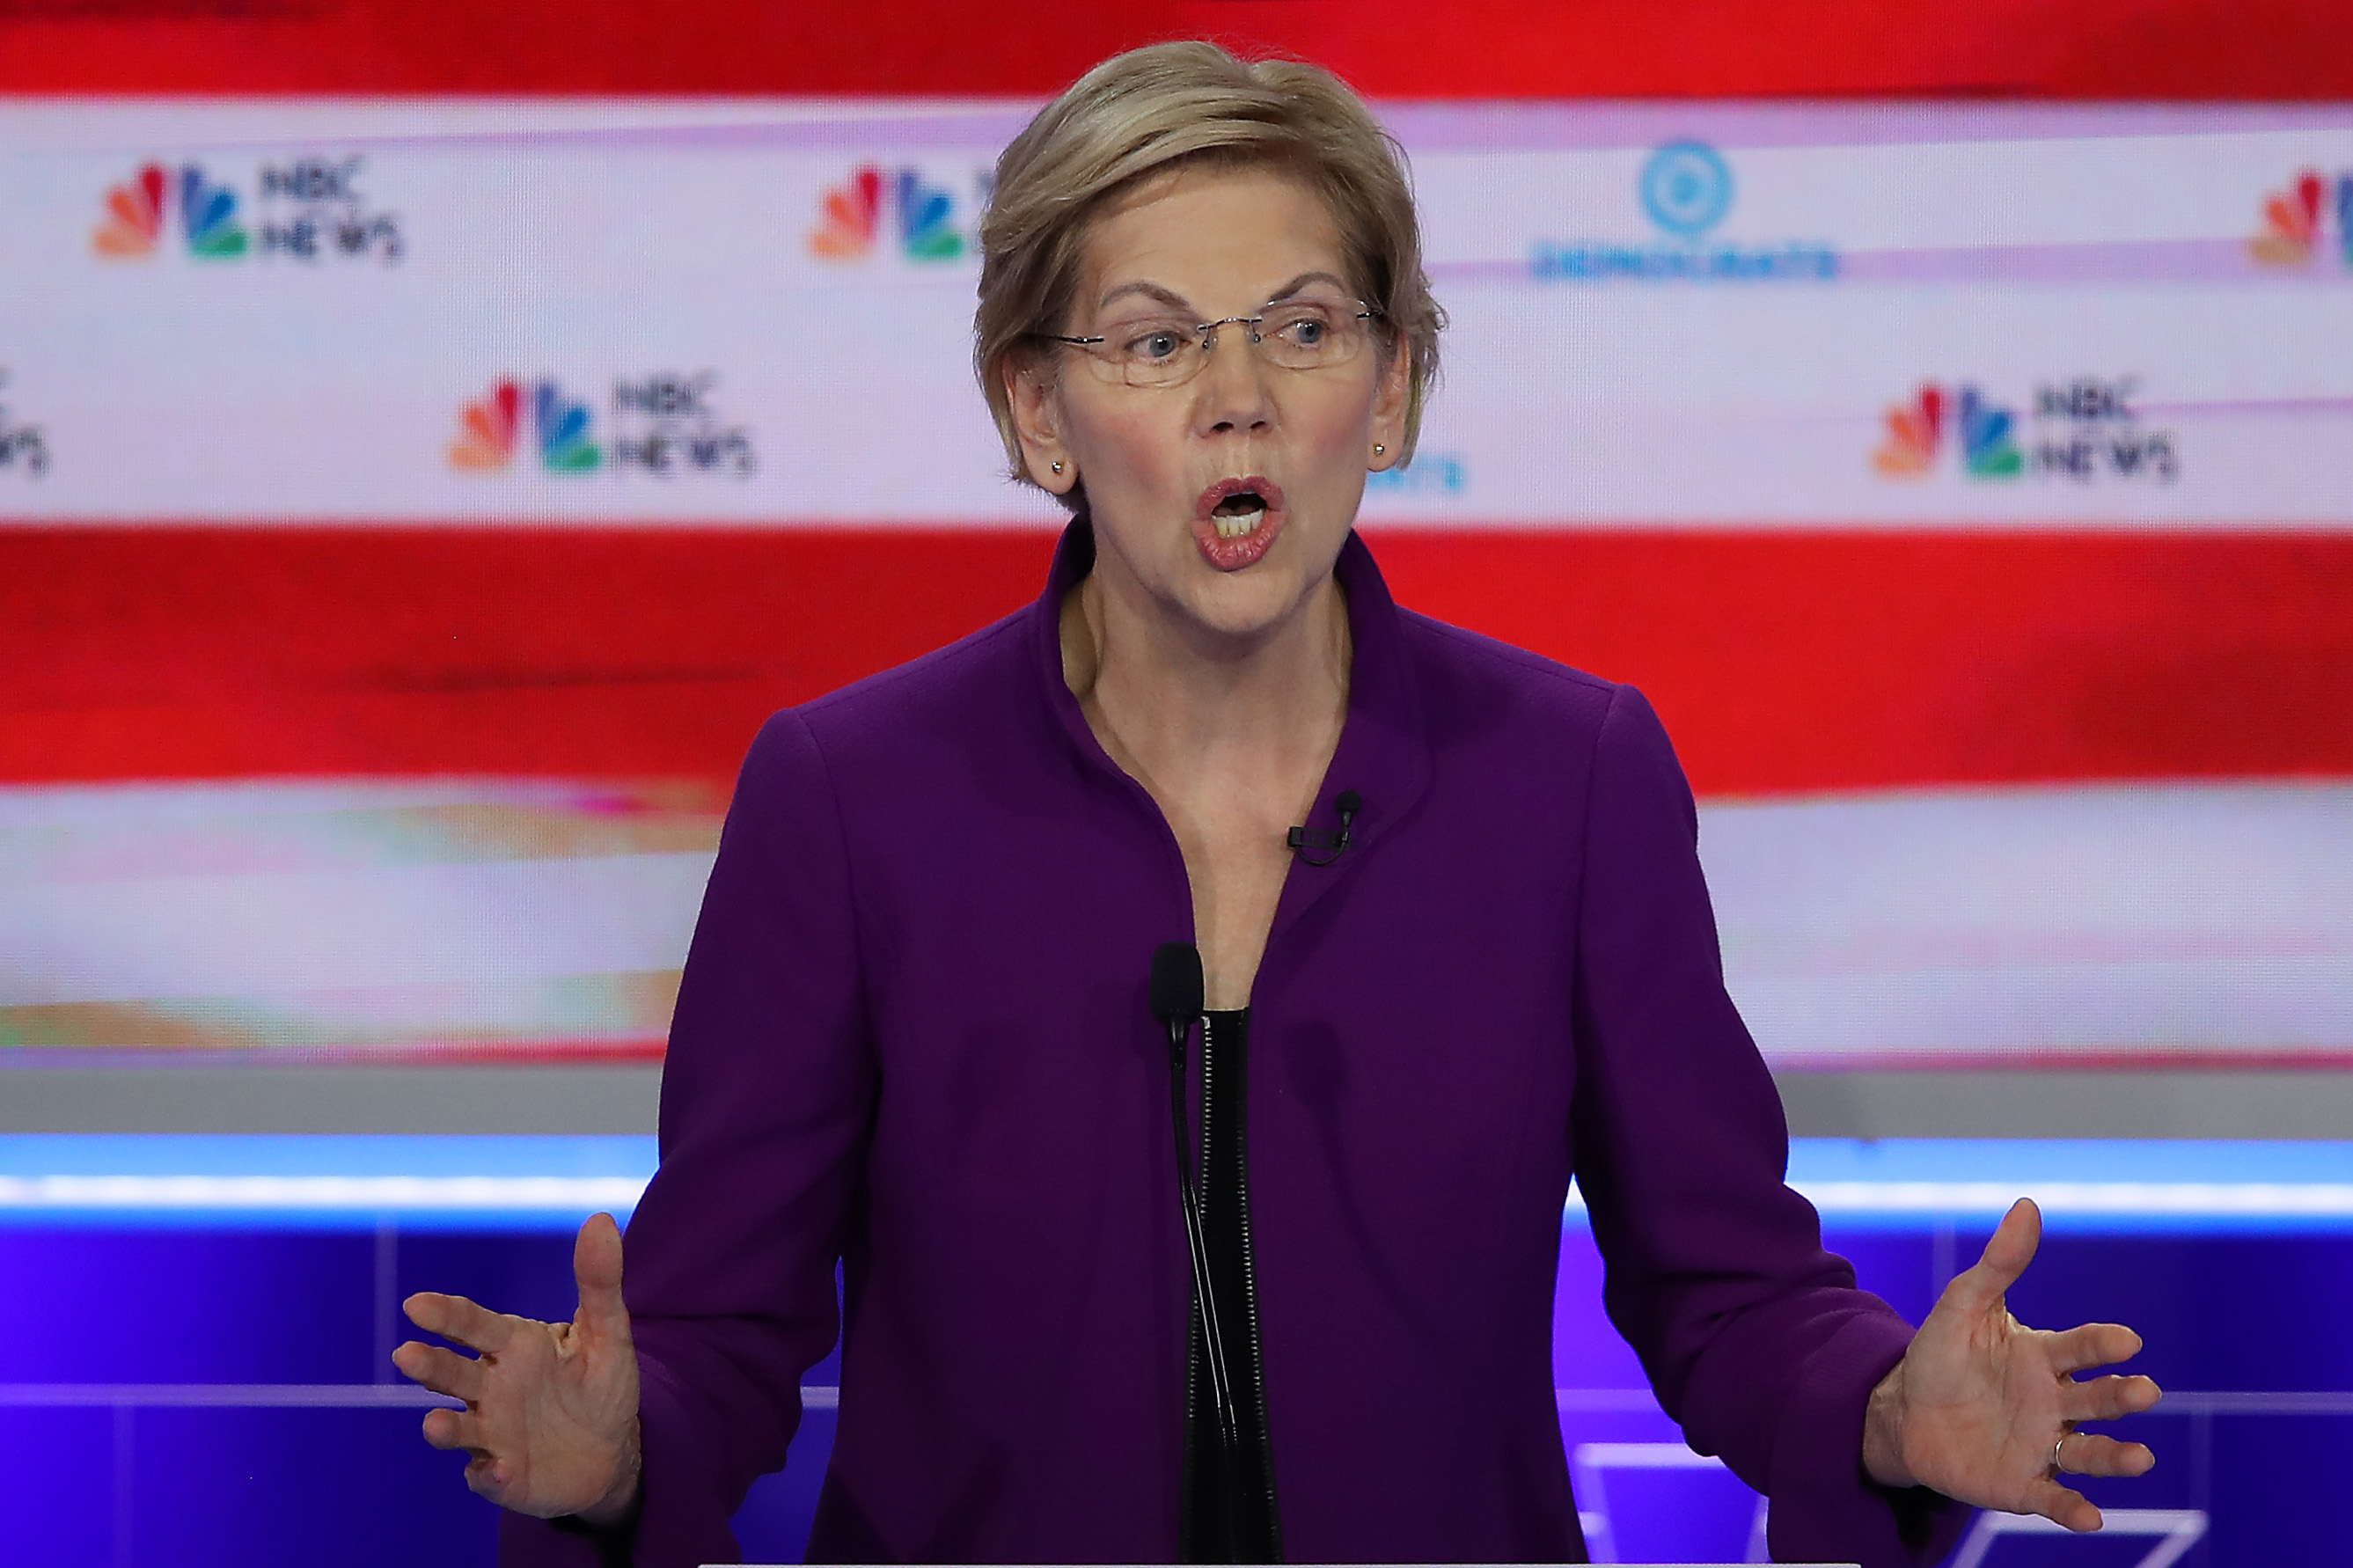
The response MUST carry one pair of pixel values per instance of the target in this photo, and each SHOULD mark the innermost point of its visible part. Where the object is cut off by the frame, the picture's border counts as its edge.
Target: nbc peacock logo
(208, 214)
(310, 210)
(135, 210)
(1917, 430)
(921, 216)
(134, 214)
(2084, 428)
(490, 430)
(2295, 219)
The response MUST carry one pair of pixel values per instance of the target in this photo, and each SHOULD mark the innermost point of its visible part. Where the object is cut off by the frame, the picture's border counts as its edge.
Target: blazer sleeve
(1755, 1339)
(767, 1095)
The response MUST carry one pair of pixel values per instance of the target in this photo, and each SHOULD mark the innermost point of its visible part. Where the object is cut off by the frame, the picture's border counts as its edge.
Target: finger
(596, 1268)
(2107, 1398)
(2007, 1253)
(442, 1371)
(455, 1429)
(2091, 1454)
(488, 1477)
(2092, 1344)
(2061, 1505)
(456, 1317)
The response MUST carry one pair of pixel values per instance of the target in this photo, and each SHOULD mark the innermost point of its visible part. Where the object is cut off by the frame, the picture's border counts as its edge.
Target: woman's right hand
(551, 1415)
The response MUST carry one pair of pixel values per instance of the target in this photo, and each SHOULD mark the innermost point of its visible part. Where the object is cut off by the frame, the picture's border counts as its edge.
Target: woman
(916, 1032)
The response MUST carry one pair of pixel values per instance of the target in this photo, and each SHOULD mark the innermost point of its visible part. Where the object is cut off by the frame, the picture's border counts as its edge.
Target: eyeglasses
(1169, 351)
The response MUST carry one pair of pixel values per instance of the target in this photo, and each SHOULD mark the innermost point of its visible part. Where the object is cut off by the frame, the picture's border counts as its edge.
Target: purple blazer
(914, 1035)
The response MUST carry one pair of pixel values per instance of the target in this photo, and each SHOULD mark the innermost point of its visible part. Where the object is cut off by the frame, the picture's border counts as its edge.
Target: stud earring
(1057, 467)
(1378, 448)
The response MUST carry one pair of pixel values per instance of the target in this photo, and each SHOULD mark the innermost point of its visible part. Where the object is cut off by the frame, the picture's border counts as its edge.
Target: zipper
(1189, 1550)
(1195, 1544)
(1252, 1394)
(1203, 1476)
(1265, 1434)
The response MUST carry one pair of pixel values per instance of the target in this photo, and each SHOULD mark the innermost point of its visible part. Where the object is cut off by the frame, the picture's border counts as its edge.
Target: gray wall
(249, 1099)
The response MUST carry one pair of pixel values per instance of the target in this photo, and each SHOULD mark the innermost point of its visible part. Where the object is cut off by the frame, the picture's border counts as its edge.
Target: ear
(1036, 403)
(1388, 408)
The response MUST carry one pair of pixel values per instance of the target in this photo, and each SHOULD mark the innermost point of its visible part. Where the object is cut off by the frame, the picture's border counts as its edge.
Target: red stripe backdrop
(1399, 48)
(1782, 661)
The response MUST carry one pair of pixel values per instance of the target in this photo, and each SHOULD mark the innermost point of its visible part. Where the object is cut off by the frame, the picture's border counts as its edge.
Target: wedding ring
(2056, 1468)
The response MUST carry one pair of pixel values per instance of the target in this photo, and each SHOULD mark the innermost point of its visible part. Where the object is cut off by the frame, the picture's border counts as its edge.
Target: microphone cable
(1347, 803)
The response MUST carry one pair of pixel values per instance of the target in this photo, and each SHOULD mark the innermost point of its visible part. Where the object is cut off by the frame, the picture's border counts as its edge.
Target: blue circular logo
(1686, 188)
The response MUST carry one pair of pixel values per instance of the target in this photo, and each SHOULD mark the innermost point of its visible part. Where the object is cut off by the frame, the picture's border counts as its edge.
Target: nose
(1232, 395)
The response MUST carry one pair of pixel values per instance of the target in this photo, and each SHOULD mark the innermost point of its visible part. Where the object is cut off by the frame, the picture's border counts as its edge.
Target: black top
(1229, 1512)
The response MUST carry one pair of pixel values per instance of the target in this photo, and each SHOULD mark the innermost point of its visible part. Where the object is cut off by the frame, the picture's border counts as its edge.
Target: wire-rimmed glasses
(1169, 351)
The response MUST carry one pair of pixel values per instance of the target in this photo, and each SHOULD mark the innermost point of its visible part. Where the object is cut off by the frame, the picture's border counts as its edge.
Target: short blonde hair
(1142, 113)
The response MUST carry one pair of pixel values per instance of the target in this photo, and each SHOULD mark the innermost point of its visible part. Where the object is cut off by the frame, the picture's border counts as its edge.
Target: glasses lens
(1305, 334)
(1157, 351)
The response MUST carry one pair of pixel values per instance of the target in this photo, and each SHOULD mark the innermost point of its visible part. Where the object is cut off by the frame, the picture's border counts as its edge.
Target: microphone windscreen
(1348, 803)
(1177, 989)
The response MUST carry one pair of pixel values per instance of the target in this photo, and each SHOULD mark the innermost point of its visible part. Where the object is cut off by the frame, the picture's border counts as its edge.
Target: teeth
(1235, 526)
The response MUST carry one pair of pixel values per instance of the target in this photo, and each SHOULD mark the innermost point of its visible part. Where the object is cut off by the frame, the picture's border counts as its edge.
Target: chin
(1248, 603)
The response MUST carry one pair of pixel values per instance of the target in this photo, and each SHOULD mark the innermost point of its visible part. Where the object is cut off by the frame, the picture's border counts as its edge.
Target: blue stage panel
(219, 1305)
(350, 1486)
(61, 1471)
(526, 1272)
(2283, 1493)
(2216, 1311)
(191, 1326)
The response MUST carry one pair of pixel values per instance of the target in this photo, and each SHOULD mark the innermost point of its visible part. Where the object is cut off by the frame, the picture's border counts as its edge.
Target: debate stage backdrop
(432, 440)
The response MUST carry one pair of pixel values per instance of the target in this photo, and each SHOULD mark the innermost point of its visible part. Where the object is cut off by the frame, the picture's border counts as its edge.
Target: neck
(1172, 698)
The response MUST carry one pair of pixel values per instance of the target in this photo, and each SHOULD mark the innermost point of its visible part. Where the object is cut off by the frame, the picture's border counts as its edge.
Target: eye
(1307, 327)
(1153, 344)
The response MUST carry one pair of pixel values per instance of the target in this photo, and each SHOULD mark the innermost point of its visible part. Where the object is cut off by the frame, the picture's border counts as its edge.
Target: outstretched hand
(1984, 1409)
(551, 1415)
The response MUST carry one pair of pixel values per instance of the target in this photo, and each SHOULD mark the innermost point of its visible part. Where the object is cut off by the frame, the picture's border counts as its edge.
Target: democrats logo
(2086, 429)
(2295, 221)
(309, 209)
(1686, 189)
(663, 423)
(24, 449)
(899, 210)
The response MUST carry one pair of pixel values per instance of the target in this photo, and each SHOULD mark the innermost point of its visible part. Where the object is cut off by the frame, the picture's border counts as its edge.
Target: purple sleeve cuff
(683, 1509)
(1824, 1507)
(686, 1510)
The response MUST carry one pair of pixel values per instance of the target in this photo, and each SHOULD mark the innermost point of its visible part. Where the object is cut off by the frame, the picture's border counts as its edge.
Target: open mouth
(1235, 520)
(1238, 514)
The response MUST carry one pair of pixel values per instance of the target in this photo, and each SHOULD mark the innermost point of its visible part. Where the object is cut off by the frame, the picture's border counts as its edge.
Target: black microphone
(1177, 991)
(1177, 1000)
(1347, 803)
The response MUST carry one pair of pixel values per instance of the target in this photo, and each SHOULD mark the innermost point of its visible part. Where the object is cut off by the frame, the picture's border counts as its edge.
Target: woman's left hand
(1984, 1409)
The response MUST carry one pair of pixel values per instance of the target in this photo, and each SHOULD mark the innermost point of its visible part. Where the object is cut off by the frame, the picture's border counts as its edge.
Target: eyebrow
(1301, 282)
(1177, 302)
